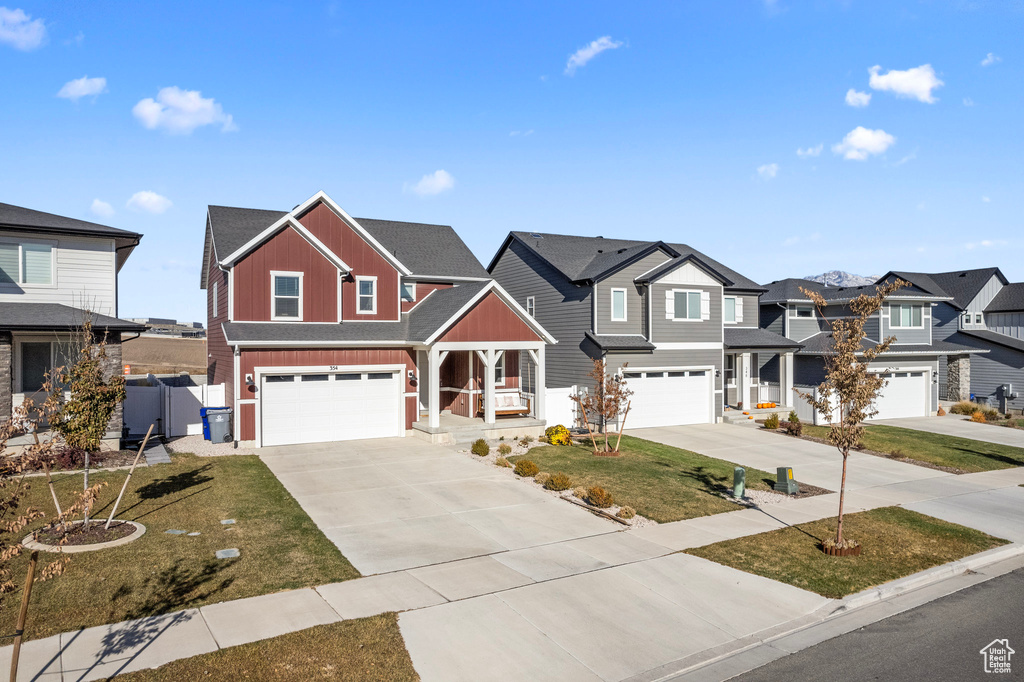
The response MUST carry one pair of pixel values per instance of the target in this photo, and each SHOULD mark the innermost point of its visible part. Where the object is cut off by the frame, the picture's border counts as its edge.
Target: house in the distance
(326, 327)
(56, 273)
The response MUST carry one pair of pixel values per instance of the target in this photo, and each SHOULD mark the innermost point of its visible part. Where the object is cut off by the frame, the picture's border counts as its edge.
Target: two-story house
(981, 310)
(680, 327)
(326, 327)
(56, 273)
(911, 365)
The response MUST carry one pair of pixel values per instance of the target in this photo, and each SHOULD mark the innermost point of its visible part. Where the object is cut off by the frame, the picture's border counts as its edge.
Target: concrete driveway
(813, 463)
(951, 425)
(392, 504)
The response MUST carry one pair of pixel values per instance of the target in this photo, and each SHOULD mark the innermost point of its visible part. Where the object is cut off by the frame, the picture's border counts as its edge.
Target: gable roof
(921, 280)
(587, 259)
(788, 290)
(964, 285)
(1009, 299)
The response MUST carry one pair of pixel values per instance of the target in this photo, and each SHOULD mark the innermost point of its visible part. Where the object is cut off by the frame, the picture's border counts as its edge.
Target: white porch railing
(769, 392)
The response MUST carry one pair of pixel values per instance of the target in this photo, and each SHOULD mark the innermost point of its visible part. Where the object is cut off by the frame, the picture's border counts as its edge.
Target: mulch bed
(92, 535)
(97, 461)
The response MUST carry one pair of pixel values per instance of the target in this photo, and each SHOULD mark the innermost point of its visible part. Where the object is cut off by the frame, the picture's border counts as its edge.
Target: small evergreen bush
(559, 482)
(772, 422)
(599, 497)
(480, 447)
(526, 468)
(626, 513)
(793, 417)
(504, 449)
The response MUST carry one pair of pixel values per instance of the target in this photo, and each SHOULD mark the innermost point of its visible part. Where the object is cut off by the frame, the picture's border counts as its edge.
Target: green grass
(369, 649)
(281, 548)
(962, 453)
(659, 481)
(896, 542)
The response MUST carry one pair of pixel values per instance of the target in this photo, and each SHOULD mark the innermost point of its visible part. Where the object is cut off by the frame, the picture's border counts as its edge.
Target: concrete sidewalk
(956, 425)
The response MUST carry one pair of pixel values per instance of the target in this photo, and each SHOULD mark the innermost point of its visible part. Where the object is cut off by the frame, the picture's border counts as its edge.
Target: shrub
(68, 458)
(979, 417)
(559, 482)
(580, 492)
(772, 422)
(527, 439)
(794, 428)
(526, 468)
(626, 513)
(504, 449)
(542, 478)
(502, 462)
(963, 407)
(599, 497)
(501, 437)
(558, 435)
(480, 447)
(794, 417)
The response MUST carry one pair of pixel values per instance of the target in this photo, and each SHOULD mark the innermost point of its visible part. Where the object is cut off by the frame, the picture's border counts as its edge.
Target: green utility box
(739, 482)
(784, 482)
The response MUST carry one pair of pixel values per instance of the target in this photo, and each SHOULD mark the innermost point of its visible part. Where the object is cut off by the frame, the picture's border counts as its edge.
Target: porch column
(489, 363)
(786, 379)
(539, 388)
(743, 370)
(434, 388)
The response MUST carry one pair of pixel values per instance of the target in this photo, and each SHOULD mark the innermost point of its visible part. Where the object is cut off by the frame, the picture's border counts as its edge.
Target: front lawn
(935, 448)
(280, 547)
(659, 481)
(896, 542)
(369, 649)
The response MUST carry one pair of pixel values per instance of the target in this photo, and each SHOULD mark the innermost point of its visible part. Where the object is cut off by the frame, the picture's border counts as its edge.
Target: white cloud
(909, 157)
(968, 102)
(150, 202)
(860, 143)
(432, 184)
(991, 59)
(857, 99)
(985, 244)
(768, 171)
(523, 133)
(20, 31)
(916, 83)
(182, 111)
(101, 208)
(810, 151)
(986, 200)
(83, 87)
(583, 55)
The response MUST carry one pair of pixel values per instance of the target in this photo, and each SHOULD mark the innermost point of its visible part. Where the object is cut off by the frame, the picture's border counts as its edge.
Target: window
(531, 306)
(215, 299)
(279, 379)
(366, 295)
(978, 319)
(730, 370)
(314, 377)
(499, 370)
(905, 315)
(729, 310)
(618, 305)
(687, 305)
(409, 291)
(804, 311)
(967, 318)
(36, 361)
(28, 263)
(287, 304)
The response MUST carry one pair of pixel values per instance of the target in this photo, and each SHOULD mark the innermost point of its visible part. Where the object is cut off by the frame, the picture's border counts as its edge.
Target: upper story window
(531, 306)
(686, 305)
(618, 305)
(729, 309)
(27, 263)
(803, 311)
(366, 295)
(287, 303)
(906, 315)
(215, 299)
(409, 291)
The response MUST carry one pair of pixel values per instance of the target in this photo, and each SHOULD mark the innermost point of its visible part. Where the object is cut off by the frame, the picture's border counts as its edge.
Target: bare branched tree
(608, 399)
(847, 395)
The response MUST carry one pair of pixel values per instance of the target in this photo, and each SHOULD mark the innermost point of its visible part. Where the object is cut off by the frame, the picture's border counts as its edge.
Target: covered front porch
(758, 368)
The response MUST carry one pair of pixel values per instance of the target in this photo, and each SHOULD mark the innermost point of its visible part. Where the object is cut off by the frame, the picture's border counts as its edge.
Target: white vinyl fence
(173, 409)
(558, 408)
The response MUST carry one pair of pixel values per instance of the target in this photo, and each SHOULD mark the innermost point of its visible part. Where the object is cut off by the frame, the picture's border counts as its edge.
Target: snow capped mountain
(838, 278)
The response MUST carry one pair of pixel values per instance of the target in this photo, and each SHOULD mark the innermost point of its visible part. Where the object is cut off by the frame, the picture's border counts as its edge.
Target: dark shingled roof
(587, 258)
(1009, 299)
(429, 250)
(964, 285)
(820, 344)
(55, 316)
(995, 337)
(752, 337)
(38, 221)
(416, 326)
(785, 290)
(921, 280)
(624, 342)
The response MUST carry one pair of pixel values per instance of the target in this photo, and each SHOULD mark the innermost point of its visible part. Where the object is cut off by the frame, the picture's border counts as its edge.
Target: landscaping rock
(192, 535)
(227, 553)
(227, 522)
(175, 532)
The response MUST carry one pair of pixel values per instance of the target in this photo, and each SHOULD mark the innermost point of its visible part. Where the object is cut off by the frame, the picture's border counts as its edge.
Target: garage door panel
(669, 398)
(906, 394)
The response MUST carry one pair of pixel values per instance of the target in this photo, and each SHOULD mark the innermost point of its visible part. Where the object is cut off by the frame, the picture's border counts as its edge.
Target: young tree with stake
(609, 399)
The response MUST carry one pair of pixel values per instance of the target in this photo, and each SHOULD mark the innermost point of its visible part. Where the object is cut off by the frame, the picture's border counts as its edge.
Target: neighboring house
(325, 327)
(56, 273)
(982, 310)
(685, 324)
(911, 365)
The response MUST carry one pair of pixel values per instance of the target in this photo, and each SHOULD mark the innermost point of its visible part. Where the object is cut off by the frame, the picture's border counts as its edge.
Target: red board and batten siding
(422, 289)
(290, 252)
(490, 320)
(455, 373)
(220, 361)
(251, 359)
(359, 255)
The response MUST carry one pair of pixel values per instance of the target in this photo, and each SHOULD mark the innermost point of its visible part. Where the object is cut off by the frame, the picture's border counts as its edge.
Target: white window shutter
(670, 304)
(705, 305)
(739, 309)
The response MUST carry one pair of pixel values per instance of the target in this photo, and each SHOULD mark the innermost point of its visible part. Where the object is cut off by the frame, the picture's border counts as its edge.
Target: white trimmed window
(978, 319)
(729, 309)
(366, 295)
(906, 315)
(409, 291)
(802, 311)
(28, 263)
(215, 299)
(499, 370)
(686, 305)
(531, 306)
(287, 299)
(618, 305)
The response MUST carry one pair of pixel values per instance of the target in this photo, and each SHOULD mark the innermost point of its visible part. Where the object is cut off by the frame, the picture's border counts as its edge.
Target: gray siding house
(680, 327)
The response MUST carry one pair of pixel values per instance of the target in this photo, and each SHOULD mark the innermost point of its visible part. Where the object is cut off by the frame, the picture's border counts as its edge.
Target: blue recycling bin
(220, 418)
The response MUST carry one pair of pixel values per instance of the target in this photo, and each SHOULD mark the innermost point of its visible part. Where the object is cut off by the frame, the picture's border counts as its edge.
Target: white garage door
(313, 408)
(669, 398)
(906, 395)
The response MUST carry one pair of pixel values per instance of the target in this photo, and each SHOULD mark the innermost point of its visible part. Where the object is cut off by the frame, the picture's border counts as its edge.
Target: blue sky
(675, 121)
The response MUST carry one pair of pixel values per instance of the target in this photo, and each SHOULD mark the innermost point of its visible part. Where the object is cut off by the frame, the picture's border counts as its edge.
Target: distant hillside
(838, 278)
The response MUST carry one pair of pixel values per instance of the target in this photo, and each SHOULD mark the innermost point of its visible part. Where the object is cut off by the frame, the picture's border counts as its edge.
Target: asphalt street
(940, 641)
